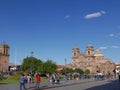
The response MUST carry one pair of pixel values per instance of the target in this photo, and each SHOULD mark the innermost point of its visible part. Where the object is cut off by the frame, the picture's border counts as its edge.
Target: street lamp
(65, 66)
(32, 54)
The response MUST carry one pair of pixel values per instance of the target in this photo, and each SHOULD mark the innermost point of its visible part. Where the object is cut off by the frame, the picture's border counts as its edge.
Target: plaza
(83, 84)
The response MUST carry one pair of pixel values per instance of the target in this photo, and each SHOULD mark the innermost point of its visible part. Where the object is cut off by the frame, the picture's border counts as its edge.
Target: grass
(13, 81)
(7, 81)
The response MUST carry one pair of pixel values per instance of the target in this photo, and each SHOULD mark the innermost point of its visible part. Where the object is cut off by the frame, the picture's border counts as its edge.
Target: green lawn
(12, 81)
(6, 81)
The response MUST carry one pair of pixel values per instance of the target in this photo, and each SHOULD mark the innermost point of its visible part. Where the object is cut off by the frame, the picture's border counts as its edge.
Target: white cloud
(95, 15)
(114, 35)
(103, 12)
(108, 47)
(115, 47)
(67, 16)
(103, 48)
(111, 35)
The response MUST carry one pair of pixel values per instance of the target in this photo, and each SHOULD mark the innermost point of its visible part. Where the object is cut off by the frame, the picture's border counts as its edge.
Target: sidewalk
(45, 85)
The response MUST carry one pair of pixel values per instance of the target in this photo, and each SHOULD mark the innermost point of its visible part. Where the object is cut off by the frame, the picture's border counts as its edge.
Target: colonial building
(60, 67)
(91, 59)
(4, 57)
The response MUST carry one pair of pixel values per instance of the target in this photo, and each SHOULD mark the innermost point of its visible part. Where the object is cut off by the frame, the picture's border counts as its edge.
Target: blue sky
(51, 28)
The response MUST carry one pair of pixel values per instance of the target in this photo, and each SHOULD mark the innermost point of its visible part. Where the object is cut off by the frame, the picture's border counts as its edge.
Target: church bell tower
(4, 57)
(89, 53)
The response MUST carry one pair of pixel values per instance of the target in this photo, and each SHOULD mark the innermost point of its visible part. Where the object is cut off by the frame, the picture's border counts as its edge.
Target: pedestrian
(29, 80)
(65, 79)
(38, 80)
(53, 79)
(57, 78)
(119, 76)
(22, 82)
(50, 79)
(74, 78)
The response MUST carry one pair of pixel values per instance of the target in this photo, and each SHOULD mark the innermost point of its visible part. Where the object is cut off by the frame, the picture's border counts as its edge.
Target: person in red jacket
(38, 80)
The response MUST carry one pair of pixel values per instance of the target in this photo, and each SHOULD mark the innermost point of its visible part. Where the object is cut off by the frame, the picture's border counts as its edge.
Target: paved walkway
(45, 85)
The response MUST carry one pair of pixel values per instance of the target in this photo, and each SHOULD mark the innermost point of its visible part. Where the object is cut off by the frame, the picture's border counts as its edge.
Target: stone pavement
(106, 85)
(45, 85)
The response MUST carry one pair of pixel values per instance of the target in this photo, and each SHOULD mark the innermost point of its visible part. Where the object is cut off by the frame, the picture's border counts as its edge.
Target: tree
(79, 71)
(31, 64)
(49, 66)
(66, 70)
(69, 70)
(87, 71)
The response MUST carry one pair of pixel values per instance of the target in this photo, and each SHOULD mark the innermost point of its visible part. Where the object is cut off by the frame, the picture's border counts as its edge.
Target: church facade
(91, 59)
(4, 57)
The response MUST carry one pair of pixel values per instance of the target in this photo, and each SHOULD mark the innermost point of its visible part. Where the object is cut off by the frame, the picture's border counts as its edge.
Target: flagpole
(15, 56)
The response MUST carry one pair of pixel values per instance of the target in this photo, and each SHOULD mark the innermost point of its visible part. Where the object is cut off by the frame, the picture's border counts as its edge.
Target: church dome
(75, 48)
(90, 47)
(4, 44)
(98, 53)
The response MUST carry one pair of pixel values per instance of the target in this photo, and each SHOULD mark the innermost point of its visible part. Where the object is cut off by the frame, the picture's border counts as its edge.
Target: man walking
(22, 83)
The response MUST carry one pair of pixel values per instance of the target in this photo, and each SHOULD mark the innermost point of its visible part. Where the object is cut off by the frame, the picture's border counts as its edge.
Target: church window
(88, 52)
(4, 61)
(6, 51)
(74, 54)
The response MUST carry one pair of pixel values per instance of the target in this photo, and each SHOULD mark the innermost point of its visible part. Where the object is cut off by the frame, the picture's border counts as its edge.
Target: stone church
(4, 57)
(92, 60)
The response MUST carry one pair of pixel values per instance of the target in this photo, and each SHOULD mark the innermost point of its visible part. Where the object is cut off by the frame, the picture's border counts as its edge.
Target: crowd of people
(28, 79)
(55, 78)
(52, 78)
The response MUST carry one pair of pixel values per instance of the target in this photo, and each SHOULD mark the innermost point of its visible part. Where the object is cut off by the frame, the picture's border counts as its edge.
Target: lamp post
(31, 60)
(65, 66)
(32, 54)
